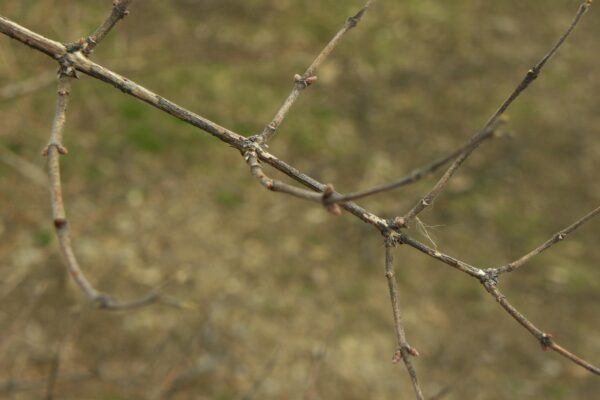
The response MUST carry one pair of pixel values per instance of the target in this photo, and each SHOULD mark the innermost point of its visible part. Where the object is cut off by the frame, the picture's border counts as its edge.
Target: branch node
(490, 278)
(405, 349)
(60, 223)
(103, 301)
(303, 82)
(532, 74)
(546, 341)
(399, 223)
(62, 150)
(333, 208)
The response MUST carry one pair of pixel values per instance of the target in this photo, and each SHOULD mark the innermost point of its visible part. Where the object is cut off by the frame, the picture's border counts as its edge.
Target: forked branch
(488, 128)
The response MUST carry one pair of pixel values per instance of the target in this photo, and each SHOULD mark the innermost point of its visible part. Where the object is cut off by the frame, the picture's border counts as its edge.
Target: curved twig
(54, 150)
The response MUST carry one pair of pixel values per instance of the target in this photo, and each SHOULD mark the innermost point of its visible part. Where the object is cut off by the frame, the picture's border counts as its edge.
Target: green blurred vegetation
(277, 298)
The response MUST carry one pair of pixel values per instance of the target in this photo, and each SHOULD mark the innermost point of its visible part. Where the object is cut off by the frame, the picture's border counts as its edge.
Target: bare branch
(446, 259)
(403, 351)
(545, 339)
(118, 12)
(489, 280)
(413, 176)
(53, 151)
(488, 128)
(277, 186)
(309, 77)
(131, 88)
(557, 237)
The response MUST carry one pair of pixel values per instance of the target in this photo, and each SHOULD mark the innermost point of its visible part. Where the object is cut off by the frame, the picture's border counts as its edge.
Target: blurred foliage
(277, 298)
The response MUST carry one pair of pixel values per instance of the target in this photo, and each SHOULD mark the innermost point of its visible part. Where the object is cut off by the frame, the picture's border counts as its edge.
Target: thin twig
(54, 150)
(309, 77)
(488, 128)
(545, 339)
(489, 279)
(412, 177)
(446, 259)
(88, 44)
(277, 186)
(403, 351)
(557, 237)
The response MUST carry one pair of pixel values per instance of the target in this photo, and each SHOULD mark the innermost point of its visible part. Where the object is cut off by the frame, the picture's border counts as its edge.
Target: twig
(557, 237)
(53, 151)
(301, 82)
(277, 186)
(489, 279)
(488, 128)
(88, 44)
(545, 339)
(446, 259)
(403, 351)
(412, 177)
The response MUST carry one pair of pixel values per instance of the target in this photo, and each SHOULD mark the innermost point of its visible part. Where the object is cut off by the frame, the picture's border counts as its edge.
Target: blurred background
(270, 296)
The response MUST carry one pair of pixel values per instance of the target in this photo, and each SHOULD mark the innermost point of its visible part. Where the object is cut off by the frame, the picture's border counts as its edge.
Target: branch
(391, 229)
(446, 259)
(309, 77)
(88, 44)
(83, 64)
(53, 151)
(557, 237)
(403, 350)
(277, 186)
(489, 279)
(488, 128)
(413, 176)
(34, 40)
(545, 339)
